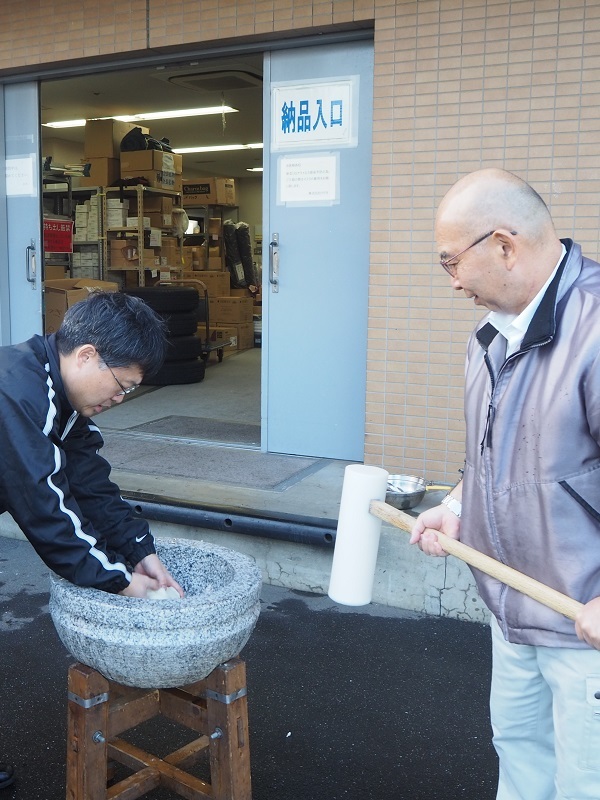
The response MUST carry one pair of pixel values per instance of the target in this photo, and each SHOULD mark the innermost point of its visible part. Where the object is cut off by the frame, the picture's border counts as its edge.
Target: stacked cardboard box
(87, 220)
(162, 170)
(209, 192)
(86, 262)
(102, 149)
(124, 254)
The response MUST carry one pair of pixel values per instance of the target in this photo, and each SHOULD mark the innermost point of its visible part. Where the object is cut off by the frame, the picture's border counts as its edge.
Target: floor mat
(145, 455)
(199, 428)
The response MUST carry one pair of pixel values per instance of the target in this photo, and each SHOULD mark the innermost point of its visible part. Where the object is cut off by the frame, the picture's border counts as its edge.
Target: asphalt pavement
(367, 703)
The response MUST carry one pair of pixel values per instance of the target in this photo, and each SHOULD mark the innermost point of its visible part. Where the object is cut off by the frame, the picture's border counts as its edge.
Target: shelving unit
(207, 239)
(60, 202)
(138, 253)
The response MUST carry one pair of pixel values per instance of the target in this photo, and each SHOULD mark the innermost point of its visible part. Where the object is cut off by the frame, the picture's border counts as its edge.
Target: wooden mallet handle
(511, 577)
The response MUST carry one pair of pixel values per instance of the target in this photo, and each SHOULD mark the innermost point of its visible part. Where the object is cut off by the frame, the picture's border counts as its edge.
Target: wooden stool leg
(227, 711)
(87, 728)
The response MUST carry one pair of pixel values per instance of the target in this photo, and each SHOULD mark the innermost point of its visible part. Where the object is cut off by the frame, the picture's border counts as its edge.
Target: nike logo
(140, 538)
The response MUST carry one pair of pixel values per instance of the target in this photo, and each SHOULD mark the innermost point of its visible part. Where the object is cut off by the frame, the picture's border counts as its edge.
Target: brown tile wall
(458, 85)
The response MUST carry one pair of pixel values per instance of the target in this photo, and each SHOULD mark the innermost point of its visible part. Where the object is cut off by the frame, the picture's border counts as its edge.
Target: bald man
(530, 494)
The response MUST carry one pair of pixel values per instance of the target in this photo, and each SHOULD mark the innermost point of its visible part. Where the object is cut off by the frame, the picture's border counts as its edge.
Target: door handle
(274, 262)
(30, 264)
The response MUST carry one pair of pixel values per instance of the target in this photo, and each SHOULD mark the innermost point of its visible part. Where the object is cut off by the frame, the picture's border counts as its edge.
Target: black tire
(178, 372)
(181, 348)
(183, 323)
(167, 298)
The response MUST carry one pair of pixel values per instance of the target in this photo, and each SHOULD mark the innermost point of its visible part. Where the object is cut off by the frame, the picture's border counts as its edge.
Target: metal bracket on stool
(210, 694)
(90, 702)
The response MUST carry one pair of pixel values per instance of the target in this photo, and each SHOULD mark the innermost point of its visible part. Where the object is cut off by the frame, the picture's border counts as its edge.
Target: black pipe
(285, 527)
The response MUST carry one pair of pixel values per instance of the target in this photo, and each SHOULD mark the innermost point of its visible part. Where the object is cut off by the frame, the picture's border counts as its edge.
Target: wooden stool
(100, 710)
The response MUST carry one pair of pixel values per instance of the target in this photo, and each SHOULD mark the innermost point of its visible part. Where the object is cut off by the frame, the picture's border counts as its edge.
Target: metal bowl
(407, 491)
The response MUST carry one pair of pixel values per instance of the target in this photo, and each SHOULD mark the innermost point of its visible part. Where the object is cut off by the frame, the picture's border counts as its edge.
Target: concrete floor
(231, 391)
(344, 704)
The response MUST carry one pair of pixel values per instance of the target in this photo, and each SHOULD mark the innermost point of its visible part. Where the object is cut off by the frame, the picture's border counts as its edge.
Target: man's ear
(506, 240)
(85, 353)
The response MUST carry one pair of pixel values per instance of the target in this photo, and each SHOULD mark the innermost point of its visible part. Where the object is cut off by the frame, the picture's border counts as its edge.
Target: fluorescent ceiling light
(254, 169)
(183, 112)
(67, 123)
(218, 148)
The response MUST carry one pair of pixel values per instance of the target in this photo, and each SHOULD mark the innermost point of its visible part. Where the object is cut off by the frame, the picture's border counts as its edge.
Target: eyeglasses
(451, 268)
(122, 388)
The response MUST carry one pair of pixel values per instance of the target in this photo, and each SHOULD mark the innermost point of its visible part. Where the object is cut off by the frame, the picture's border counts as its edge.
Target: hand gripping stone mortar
(362, 510)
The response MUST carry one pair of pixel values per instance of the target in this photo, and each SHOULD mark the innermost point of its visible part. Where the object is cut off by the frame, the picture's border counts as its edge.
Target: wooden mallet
(362, 510)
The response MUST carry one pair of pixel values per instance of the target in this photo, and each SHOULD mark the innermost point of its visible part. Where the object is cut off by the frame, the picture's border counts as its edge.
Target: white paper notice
(310, 180)
(19, 177)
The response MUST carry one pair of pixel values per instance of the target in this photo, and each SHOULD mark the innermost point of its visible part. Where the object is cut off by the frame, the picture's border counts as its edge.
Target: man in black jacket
(53, 480)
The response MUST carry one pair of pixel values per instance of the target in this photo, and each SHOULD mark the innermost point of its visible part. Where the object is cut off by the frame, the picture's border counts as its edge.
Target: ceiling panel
(235, 82)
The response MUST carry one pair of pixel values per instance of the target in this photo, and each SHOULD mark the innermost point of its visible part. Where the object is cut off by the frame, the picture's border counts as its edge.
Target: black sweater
(53, 480)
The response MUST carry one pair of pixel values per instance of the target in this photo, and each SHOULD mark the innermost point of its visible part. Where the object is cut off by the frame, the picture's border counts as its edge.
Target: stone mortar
(164, 643)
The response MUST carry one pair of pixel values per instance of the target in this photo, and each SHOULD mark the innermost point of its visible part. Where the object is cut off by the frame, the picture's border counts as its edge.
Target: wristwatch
(453, 504)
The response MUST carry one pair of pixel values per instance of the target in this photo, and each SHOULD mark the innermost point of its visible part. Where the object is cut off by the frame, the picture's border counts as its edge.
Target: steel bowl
(407, 491)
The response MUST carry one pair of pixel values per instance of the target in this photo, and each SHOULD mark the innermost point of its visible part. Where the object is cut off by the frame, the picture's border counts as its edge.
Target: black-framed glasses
(123, 391)
(451, 268)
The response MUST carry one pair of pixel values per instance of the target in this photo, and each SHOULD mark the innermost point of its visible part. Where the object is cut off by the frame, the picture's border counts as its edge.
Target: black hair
(124, 330)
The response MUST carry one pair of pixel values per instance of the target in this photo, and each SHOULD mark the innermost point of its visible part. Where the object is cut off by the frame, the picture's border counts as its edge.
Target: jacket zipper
(491, 412)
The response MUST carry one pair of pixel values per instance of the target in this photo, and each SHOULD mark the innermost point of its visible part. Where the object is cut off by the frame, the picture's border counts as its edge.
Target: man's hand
(150, 573)
(587, 624)
(438, 518)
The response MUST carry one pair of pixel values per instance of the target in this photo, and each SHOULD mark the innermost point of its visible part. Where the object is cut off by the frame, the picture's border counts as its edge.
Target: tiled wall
(458, 85)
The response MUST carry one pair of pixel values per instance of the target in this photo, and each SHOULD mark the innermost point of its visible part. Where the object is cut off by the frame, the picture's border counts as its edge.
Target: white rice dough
(168, 593)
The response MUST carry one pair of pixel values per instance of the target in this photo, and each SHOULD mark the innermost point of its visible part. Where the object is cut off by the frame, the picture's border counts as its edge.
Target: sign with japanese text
(19, 176)
(58, 236)
(320, 113)
(308, 179)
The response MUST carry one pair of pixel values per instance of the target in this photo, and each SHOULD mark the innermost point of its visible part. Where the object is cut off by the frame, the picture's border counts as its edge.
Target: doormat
(199, 428)
(144, 454)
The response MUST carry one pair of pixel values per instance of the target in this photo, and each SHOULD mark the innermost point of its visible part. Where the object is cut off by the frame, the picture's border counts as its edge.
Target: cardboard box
(220, 335)
(103, 172)
(214, 262)
(102, 137)
(144, 160)
(124, 254)
(156, 204)
(244, 334)
(159, 220)
(242, 293)
(216, 282)
(157, 179)
(61, 294)
(170, 254)
(230, 310)
(54, 272)
(209, 191)
(132, 222)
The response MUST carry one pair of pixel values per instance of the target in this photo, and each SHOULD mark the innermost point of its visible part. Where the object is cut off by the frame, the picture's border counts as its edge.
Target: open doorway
(225, 405)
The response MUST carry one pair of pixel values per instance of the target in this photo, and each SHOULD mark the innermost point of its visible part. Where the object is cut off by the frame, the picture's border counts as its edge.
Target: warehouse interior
(170, 102)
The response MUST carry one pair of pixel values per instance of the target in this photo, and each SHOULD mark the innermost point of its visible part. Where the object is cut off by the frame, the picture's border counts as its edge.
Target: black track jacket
(53, 480)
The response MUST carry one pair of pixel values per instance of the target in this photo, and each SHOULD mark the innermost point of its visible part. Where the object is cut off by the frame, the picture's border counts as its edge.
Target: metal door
(20, 214)
(317, 188)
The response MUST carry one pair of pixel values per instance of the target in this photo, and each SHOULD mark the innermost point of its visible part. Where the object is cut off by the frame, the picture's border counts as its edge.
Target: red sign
(58, 236)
